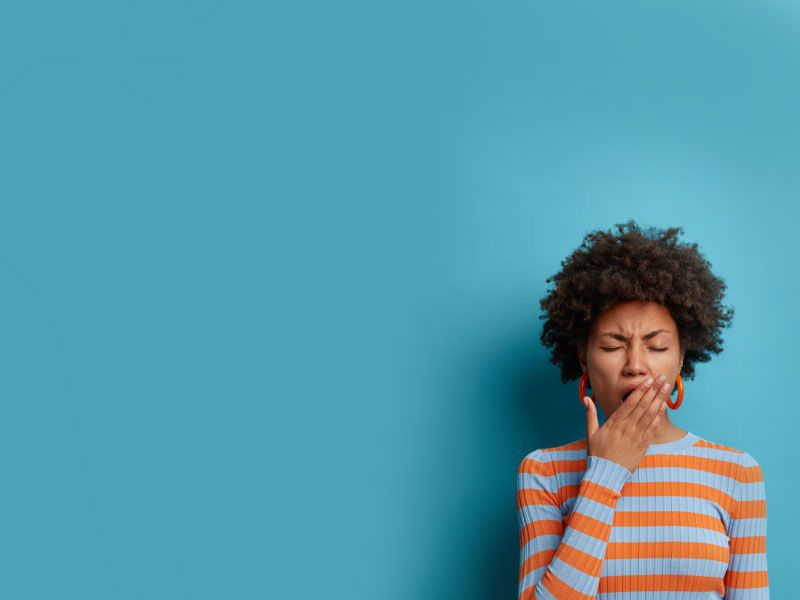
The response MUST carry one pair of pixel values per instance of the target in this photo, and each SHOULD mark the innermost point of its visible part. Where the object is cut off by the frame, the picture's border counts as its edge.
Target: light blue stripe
(654, 474)
(752, 490)
(567, 454)
(689, 504)
(670, 504)
(748, 562)
(597, 510)
(540, 543)
(585, 543)
(745, 594)
(748, 527)
(668, 534)
(685, 475)
(721, 455)
(577, 579)
(532, 578)
(663, 566)
(659, 596)
(539, 512)
(535, 482)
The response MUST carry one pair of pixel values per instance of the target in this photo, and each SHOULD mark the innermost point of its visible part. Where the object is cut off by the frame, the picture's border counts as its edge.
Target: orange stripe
(697, 550)
(677, 488)
(528, 465)
(589, 526)
(595, 491)
(577, 559)
(712, 445)
(569, 466)
(672, 582)
(751, 474)
(536, 561)
(756, 544)
(538, 528)
(580, 561)
(656, 488)
(750, 509)
(667, 519)
(526, 496)
(529, 593)
(561, 589)
(746, 579)
(701, 463)
(696, 463)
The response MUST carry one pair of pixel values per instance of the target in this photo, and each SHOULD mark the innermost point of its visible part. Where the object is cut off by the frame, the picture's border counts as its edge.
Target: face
(628, 343)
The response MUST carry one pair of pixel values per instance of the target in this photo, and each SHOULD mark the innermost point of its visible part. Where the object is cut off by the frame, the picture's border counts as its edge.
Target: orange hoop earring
(582, 387)
(679, 385)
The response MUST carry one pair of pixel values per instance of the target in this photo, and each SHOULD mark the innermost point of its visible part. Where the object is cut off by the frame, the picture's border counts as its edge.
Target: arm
(746, 577)
(558, 561)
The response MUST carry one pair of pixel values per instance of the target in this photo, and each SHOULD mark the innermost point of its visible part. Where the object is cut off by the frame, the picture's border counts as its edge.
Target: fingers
(628, 408)
(651, 428)
(591, 417)
(640, 410)
(656, 406)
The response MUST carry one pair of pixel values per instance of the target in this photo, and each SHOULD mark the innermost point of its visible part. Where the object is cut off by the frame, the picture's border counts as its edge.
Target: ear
(582, 356)
(680, 366)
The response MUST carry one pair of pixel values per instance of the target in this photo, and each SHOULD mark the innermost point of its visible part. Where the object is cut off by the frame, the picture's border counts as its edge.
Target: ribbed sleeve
(561, 558)
(746, 577)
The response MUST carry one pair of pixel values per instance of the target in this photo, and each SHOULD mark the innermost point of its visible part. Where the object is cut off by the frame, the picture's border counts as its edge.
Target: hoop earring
(582, 387)
(679, 385)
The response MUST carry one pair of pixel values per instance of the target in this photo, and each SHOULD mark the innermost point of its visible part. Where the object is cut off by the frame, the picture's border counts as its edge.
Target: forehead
(634, 315)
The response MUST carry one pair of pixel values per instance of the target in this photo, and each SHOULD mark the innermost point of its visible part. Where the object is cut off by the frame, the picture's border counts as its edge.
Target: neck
(667, 432)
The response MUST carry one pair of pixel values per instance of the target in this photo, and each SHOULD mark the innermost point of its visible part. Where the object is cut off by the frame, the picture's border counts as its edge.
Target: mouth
(626, 394)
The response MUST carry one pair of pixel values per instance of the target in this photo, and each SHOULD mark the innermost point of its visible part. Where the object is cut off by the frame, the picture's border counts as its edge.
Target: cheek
(603, 370)
(669, 361)
(606, 362)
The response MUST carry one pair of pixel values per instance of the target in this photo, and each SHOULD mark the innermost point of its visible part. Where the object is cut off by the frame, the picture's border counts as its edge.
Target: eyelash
(618, 347)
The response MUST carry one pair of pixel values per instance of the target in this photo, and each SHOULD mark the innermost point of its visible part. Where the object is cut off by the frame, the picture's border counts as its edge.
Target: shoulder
(746, 466)
(543, 460)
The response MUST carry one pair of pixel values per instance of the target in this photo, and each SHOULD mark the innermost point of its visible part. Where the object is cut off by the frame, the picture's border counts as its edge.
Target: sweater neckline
(687, 440)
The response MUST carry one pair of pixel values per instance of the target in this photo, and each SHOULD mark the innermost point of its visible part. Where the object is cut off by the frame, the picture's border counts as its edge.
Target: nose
(635, 362)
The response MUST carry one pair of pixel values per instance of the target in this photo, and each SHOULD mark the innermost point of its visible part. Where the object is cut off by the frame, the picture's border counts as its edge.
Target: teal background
(270, 276)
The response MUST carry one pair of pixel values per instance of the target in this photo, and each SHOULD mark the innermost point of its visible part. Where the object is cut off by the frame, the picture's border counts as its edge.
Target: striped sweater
(689, 523)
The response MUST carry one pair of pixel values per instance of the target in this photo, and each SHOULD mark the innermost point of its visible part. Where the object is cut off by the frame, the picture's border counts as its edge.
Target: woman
(640, 508)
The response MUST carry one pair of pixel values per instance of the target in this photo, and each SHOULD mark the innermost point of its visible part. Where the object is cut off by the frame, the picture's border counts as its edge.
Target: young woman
(639, 509)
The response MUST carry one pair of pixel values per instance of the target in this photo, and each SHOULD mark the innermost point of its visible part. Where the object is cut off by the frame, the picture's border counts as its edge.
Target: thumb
(591, 417)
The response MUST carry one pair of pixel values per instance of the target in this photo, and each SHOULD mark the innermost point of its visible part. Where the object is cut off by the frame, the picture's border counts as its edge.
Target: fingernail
(662, 378)
(649, 381)
(665, 387)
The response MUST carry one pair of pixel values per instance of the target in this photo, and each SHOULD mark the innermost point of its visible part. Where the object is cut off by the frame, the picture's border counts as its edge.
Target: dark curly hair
(634, 264)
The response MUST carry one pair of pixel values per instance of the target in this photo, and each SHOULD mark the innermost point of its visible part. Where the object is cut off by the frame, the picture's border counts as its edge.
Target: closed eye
(618, 347)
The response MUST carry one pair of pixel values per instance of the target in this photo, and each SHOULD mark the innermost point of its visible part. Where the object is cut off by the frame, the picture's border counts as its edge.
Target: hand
(627, 434)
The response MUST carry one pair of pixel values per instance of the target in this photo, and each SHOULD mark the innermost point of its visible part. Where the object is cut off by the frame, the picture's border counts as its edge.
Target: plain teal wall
(270, 276)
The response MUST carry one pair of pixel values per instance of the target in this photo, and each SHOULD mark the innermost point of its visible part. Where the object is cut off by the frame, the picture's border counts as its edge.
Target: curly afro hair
(634, 264)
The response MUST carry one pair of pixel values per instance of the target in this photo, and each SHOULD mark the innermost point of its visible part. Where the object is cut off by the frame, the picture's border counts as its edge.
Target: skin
(614, 363)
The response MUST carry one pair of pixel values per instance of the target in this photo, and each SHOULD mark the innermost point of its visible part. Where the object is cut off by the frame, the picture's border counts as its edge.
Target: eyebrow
(646, 336)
